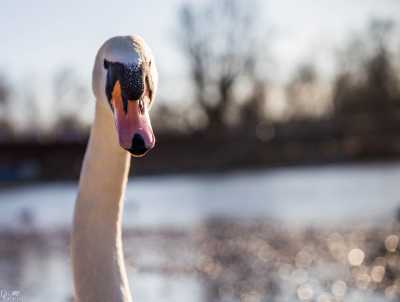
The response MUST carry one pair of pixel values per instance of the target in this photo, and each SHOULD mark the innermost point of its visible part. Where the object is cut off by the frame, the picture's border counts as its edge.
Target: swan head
(125, 79)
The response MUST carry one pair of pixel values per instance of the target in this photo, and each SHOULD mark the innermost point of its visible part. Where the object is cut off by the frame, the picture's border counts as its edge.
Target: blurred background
(276, 171)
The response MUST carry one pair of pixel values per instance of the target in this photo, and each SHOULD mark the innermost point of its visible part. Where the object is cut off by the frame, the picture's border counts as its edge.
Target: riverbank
(281, 145)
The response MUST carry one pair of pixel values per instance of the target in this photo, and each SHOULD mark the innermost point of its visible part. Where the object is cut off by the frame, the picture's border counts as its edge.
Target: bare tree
(69, 98)
(5, 91)
(68, 91)
(5, 95)
(306, 95)
(380, 71)
(220, 39)
(370, 83)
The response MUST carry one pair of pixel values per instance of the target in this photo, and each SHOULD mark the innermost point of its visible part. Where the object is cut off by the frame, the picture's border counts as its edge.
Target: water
(326, 197)
(303, 195)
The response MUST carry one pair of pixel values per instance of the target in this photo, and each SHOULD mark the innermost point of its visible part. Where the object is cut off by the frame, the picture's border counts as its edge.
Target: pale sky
(42, 36)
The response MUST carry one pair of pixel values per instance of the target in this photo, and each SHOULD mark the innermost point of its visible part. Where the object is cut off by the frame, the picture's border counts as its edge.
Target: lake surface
(322, 197)
(302, 195)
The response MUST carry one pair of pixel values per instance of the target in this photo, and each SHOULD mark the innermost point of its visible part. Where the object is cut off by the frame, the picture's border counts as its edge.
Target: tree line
(225, 47)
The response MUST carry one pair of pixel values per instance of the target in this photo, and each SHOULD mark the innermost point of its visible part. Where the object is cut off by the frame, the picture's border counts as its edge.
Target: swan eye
(149, 87)
(141, 106)
(106, 64)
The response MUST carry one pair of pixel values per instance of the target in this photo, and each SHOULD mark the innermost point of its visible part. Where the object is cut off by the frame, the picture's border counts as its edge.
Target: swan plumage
(121, 128)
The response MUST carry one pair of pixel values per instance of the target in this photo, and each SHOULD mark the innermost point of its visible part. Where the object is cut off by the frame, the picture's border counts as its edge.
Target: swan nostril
(138, 145)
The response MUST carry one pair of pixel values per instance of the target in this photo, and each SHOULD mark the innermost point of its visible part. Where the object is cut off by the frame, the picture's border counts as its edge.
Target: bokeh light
(356, 257)
(391, 243)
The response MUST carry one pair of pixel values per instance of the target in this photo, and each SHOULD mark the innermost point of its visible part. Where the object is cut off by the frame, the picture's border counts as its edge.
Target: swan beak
(133, 124)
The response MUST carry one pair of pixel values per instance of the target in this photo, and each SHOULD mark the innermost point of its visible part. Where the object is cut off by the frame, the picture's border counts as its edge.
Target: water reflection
(233, 238)
(33, 264)
(38, 265)
(260, 261)
(223, 260)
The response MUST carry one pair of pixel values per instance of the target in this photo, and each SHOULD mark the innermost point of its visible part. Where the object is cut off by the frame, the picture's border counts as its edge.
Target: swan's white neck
(97, 255)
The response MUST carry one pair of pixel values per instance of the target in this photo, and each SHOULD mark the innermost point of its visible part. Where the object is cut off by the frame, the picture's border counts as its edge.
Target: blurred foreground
(309, 234)
(225, 260)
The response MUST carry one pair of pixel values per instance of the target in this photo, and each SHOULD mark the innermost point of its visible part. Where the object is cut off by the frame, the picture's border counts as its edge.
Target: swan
(124, 83)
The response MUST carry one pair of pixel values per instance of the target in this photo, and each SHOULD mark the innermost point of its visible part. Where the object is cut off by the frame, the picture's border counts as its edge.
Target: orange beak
(133, 124)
